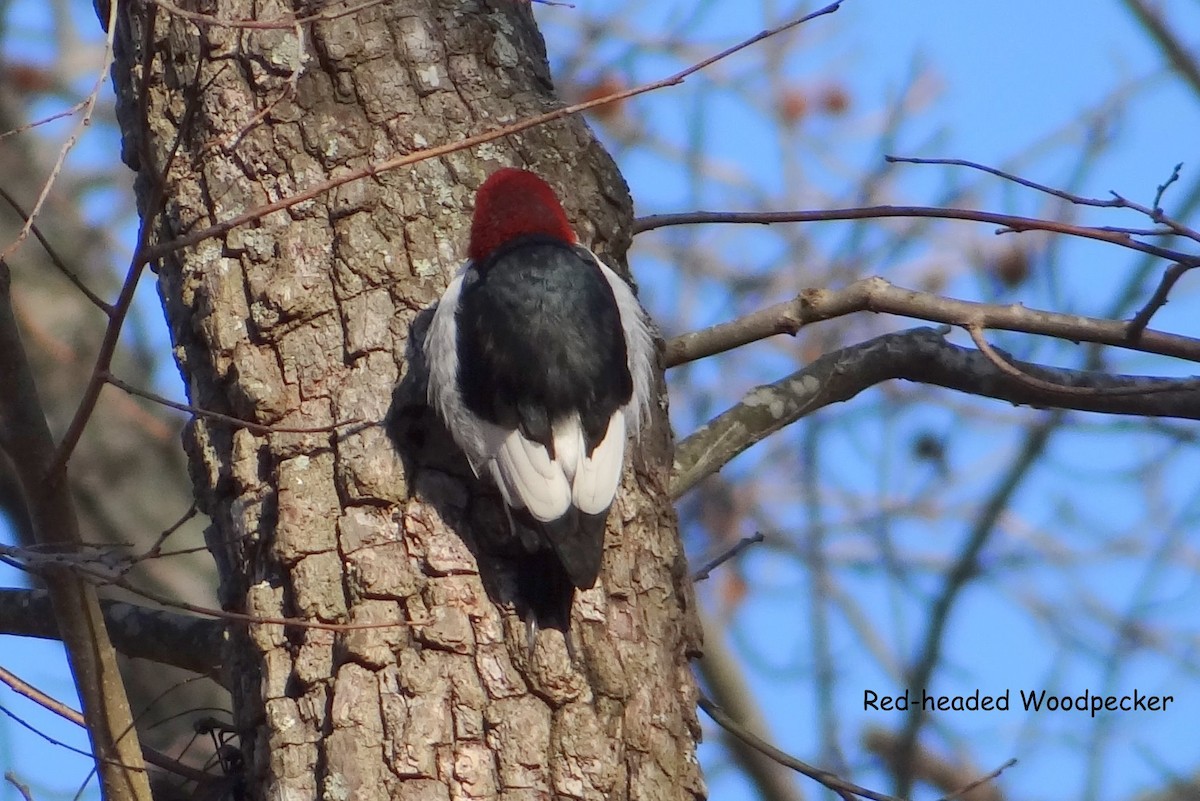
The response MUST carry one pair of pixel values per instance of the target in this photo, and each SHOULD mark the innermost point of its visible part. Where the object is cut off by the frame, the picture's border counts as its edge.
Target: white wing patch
(598, 476)
(639, 347)
(479, 439)
(527, 477)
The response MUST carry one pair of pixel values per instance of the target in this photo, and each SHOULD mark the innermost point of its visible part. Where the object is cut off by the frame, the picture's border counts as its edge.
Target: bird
(541, 364)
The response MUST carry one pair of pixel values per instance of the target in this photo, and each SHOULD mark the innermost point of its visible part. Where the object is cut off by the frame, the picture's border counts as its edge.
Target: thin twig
(290, 90)
(23, 789)
(824, 777)
(1162, 188)
(1117, 201)
(100, 572)
(49, 702)
(729, 553)
(1070, 197)
(52, 740)
(982, 780)
(237, 422)
(1158, 216)
(926, 767)
(96, 300)
(1008, 222)
(84, 121)
(1008, 368)
(155, 550)
(44, 120)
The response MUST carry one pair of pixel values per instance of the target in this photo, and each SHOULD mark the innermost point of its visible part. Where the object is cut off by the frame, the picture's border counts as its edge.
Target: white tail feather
(598, 476)
(569, 445)
(527, 477)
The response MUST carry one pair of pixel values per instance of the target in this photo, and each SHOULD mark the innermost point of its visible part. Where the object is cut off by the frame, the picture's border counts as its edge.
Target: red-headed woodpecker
(540, 363)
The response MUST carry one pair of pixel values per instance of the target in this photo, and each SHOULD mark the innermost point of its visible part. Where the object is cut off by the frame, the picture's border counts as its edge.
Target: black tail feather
(559, 557)
(544, 591)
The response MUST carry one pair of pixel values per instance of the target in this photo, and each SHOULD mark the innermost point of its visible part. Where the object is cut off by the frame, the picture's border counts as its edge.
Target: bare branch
(1164, 186)
(921, 355)
(961, 573)
(96, 300)
(25, 436)
(49, 702)
(1178, 52)
(1009, 223)
(832, 781)
(89, 106)
(722, 674)
(957, 781)
(120, 309)
(729, 553)
(1117, 201)
(1137, 326)
(170, 638)
(879, 295)
(1070, 197)
(23, 789)
(970, 787)
(1008, 368)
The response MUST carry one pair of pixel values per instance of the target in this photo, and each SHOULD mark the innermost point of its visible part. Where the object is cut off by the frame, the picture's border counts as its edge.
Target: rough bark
(303, 319)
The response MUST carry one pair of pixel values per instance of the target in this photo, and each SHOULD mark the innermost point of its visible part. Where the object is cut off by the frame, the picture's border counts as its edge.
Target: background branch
(964, 569)
(1008, 222)
(170, 638)
(25, 437)
(921, 355)
(724, 680)
(881, 296)
(946, 776)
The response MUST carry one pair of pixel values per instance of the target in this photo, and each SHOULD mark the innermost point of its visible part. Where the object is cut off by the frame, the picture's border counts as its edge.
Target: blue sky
(1002, 75)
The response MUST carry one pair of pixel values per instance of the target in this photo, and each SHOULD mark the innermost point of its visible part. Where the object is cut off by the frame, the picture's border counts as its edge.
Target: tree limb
(25, 437)
(1008, 223)
(170, 638)
(922, 355)
(880, 296)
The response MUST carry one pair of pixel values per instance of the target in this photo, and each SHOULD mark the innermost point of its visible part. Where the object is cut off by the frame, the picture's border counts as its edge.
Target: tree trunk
(302, 319)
